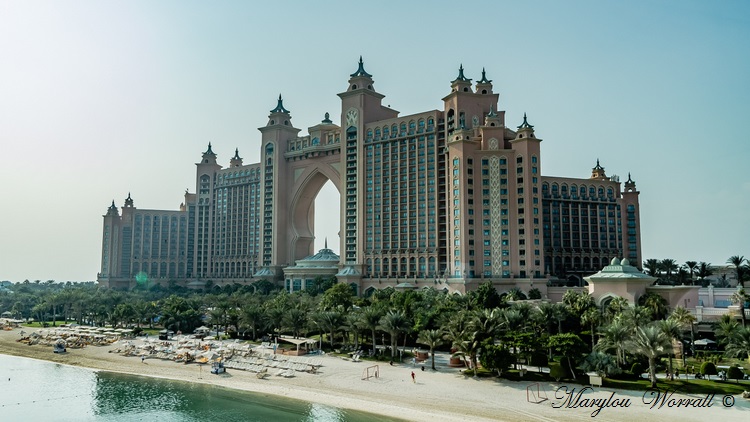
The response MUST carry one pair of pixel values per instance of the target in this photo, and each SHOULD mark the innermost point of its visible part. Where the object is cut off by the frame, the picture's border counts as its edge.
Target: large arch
(307, 183)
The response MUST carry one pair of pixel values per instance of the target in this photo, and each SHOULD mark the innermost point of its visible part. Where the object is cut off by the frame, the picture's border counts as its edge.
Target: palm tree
(683, 317)
(351, 325)
(252, 316)
(691, 267)
(738, 262)
(330, 321)
(591, 317)
(370, 317)
(673, 330)
(726, 329)
(636, 316)
(616, 306)
(669, 266)
(704, 270)
(431, 339)
(614, 336)
(739, 343)
(394, 323)
(467, 344)
(658, 305)
(739, 298)
(650, 341)
(652, 267)
(295, 320)
(486, 322)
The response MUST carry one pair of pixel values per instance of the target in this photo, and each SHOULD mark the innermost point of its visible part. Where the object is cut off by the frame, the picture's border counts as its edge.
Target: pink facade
(444, 199)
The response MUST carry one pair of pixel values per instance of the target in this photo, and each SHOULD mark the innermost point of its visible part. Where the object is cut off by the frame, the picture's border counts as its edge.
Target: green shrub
(735, 373)
(708, 368)
(557, 371)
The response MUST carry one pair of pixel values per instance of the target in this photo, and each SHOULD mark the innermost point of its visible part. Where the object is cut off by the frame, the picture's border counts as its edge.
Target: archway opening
(328, 218)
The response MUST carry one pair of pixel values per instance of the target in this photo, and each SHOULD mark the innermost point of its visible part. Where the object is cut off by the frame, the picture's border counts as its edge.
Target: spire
(361, 70)
(484, 79)
(128, 201)
(630, 184)
(461, 77)
(525, 124)
(598, 172)
(327, 119)
(280, 107)
(236, 161)
(492, 111)
(112, 210)
(326, 243)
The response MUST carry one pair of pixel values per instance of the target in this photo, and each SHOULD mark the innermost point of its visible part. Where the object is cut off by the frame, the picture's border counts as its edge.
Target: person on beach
(413, 377)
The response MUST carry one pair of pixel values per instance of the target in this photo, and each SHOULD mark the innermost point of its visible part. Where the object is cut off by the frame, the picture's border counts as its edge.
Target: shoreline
(444, 395)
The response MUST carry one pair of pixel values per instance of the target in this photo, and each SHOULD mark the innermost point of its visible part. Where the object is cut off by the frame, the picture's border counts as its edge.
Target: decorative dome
(624, 262)
(615, 261)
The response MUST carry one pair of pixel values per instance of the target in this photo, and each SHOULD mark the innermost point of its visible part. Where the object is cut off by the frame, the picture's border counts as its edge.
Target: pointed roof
(112, 210)
(492, 112)
(237, 154)
(209, 151)
(280, 107)
(361, 70)
(484, 79)
(598, 167)
(629, 179)
(348, 271)
(525, 124)
(461, 77)
(264, 272)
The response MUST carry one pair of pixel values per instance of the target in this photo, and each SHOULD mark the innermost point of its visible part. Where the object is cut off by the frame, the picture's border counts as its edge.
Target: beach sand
(444, 395)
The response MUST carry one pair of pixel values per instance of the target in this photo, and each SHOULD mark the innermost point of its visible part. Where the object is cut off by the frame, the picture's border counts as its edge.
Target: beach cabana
(298, 342)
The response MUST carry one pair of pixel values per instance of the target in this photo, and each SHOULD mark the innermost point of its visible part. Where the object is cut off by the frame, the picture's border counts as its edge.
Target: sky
(99, 99)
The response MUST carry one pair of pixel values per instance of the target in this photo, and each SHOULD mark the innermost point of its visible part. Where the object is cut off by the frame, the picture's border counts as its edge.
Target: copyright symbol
(728, 400)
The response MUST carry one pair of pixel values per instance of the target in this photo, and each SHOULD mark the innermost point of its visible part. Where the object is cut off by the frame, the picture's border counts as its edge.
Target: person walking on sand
(413, 377)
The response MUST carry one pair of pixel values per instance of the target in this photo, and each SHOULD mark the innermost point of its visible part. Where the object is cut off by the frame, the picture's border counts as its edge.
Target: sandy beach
(444, 395)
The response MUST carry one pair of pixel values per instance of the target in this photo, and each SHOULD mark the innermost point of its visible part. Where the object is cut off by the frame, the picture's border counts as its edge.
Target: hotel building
(445, 198)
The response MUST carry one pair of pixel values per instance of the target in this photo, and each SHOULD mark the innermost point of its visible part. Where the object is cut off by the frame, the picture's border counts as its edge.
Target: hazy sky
(98, 99)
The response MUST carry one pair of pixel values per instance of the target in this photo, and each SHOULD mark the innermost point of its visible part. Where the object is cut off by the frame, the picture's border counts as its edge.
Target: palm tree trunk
(572, 370)
(652, 371)
(671, 371)
(373, 343)
(432, 353)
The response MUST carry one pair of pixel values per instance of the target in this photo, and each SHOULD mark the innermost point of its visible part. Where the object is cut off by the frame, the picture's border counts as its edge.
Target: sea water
(34, 390)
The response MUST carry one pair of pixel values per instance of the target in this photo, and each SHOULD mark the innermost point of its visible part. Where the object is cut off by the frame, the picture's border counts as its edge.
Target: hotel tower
(446, 199)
